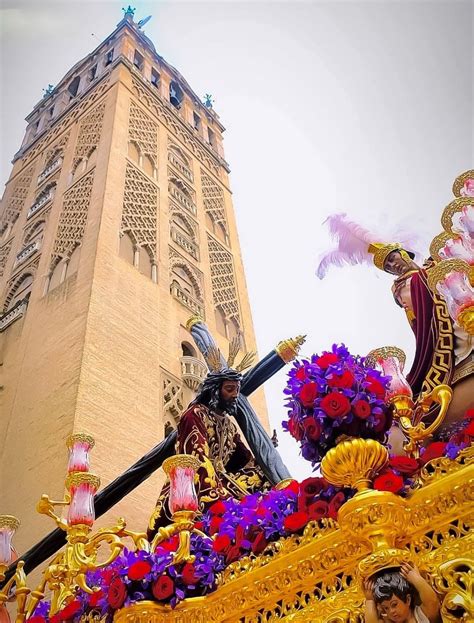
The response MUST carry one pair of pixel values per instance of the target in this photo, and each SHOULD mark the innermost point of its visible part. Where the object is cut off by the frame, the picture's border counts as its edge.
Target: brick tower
(116, 226)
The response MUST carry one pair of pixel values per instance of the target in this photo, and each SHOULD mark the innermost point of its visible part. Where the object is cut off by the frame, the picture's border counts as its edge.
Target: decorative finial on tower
(49, 89)
(208, 101)
(129, 12)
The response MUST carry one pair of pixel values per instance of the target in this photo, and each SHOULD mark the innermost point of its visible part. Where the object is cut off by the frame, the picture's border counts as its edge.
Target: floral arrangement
(331, 395)
(238, 528)
(398, 476)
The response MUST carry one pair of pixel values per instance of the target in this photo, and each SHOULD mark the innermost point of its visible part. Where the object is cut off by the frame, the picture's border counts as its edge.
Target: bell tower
(117, 225)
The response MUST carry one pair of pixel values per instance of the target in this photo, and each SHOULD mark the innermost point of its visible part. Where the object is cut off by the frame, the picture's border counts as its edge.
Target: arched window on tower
(73, 262)
(57, 275)
(233, 329)
(144, 262)
(73, 87)
(148, 166)
(176, 94)
(19, 291)
(185, 281)
(127, 248)
(221, 322)
(134, 152)
(188, 350)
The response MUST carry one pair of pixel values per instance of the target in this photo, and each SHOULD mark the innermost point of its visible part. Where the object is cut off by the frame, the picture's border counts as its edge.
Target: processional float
(300, 551)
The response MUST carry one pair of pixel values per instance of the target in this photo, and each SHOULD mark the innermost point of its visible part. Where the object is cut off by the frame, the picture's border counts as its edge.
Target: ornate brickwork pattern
(176, 126)
(15, 282)
(143, 131)
(213, 198)
(172, 396)
(17, 199)
(4, 253)
(140, 209)
(89, 134)
(224, 290)
(180, 161)
(75, 113)
(56, 149)
(195, 276)
(72, 221)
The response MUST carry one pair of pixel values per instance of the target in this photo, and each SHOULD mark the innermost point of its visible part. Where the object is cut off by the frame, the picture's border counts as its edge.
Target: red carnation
(404, 464)
(163, 588)
(221, 543)
(170, 545)
(326, 360)
(95, 598)
(295, 521)
(138, 570)
(318, 510)
(117, 593)
(375, 387)
(308, 394)
(69, 611)
(335, 405)
(189, 575)
(388, 481)
(344, 380)
(300, 374)
(361, 409)
(312, 428)
(218, 508)
(295, 429)
(335, 504)
(469, 430)
(215, 524)
(198, 525)
(259, 543)
(433, 451)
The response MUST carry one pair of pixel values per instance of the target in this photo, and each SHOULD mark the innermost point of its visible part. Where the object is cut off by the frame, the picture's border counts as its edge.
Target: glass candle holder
(8, 526)
(82, 487)
(391, 361)
(181, 471)
(79, 445)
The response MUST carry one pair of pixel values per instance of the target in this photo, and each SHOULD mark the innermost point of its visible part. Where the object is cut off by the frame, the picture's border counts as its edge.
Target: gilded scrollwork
(455, 580)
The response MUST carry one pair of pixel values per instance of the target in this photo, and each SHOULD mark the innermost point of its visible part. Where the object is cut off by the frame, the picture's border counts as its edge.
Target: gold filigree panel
(140, 209)
(73, 218)
(213, 199)
(224, 290)
(143, 131)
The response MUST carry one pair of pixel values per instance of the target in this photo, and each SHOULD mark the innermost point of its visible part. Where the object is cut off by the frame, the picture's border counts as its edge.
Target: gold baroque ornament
(438, 243)
(450, 210)
(72, 439)
(289, 349)
(439, 271)
(461, 180)
(455, 579)
(384, 352)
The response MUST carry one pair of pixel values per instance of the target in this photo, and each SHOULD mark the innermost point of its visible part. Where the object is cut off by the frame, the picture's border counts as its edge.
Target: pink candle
(8, 526)
(181, 470)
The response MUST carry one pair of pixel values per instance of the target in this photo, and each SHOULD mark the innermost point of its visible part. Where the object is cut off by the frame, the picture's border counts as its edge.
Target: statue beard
(229, 406)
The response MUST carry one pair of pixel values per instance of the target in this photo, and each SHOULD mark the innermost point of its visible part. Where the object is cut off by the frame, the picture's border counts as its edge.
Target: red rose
(375, 387)
(312, 486)
(117, 593)
(107, 575)
(388, 481)
(300, 374)
(295, 521)
(163, 588)
(259, 543)
(232, 554)
(138, 570)
(326, 360)
(170, 545)
(361, 409)
(215, 524)
(221, 544)
(469, 430)
(189, 575)
(95, 598)
(312, 428)
(404, 464)
(344, 380)
(217, 508)
(335, 504)
(433, 451)
(295, 429)
(379, 423)
(308, 394)
(335, 405)
(318, 510)
(69, 611)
